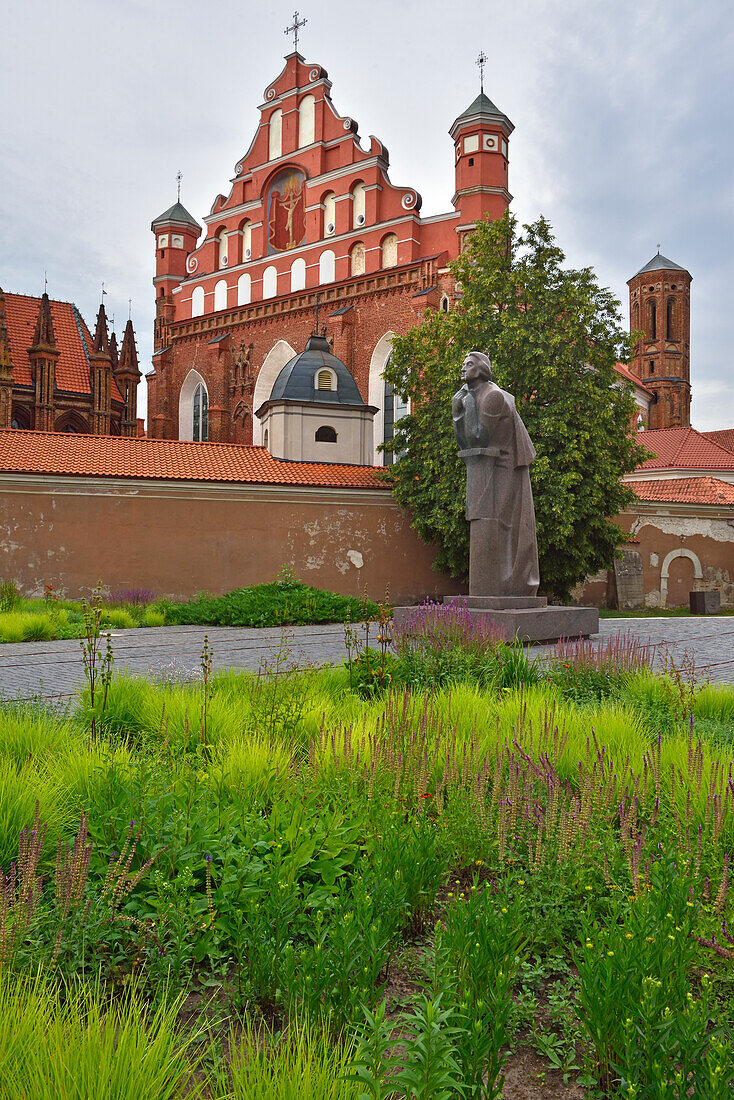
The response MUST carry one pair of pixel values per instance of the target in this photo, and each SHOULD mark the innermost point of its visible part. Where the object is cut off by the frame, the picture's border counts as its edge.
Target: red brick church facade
(311, 216)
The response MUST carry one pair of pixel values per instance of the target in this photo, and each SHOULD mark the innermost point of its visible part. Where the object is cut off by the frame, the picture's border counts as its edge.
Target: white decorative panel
(177, 241)
(163, 240)
(471, 143)
(490, 142)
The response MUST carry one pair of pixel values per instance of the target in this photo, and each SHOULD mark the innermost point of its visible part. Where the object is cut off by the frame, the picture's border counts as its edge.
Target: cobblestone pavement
(54, 669)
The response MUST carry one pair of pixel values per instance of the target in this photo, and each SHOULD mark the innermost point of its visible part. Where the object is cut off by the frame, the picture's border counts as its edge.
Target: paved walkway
(54, 669)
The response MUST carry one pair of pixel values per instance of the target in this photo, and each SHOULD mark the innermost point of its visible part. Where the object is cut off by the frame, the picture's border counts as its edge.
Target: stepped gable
(62, 454)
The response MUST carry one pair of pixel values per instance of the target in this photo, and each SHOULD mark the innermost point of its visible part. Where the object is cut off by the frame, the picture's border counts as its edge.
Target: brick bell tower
(481, 135)
(660, 307)
(176, 233)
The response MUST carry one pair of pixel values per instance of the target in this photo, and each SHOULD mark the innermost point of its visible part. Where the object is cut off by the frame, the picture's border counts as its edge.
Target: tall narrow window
(220, 295)
(329, 214)
(356, 259)
(201, 415)
(653, 315)
(306, 120)
(244, 289)
(359, 196)
(246, 241)
(327, 266)
(275, 144)
(197, 301)
(223, 249)
(270, 282)
(395, 408)
(298, 274)
(669, 320)
(390, 250)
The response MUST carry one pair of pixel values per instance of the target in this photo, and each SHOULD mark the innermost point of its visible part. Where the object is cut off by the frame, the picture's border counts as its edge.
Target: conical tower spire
(128, 352)
(44, 337)
(114, 357)
(101, 338)
(128, 376)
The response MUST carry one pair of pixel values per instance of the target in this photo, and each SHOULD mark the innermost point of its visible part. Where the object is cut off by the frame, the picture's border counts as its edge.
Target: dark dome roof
(296, 380)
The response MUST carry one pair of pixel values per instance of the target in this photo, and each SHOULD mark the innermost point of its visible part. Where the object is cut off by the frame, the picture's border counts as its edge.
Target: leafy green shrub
(276, 604)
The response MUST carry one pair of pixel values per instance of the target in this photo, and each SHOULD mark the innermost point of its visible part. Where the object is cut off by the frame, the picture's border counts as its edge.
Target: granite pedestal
(529, 619)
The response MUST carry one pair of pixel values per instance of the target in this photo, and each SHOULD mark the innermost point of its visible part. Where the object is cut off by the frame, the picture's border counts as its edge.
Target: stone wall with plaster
(178, 538)
(683, 548)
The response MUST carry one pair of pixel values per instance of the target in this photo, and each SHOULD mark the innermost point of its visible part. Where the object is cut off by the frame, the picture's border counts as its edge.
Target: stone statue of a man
(493, 441)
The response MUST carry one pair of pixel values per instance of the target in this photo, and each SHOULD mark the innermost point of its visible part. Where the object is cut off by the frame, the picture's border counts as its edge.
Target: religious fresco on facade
(286, 206)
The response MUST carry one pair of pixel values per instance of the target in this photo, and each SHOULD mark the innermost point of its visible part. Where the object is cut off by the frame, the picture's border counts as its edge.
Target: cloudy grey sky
(623, 115)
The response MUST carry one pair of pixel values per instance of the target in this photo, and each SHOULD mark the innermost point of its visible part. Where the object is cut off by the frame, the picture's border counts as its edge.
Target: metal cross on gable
(179, 177)
(295, 29)
(481, 62)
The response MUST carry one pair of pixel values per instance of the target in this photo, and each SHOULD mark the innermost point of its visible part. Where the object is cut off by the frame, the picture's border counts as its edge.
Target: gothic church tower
(660, 307)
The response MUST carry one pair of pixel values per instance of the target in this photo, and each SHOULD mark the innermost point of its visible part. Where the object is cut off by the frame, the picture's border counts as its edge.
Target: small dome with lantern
(315, 412)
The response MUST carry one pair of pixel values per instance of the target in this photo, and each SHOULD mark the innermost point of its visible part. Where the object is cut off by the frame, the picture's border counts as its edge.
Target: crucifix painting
(286, 211)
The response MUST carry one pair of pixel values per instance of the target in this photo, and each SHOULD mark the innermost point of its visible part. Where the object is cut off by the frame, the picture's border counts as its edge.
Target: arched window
(325, 434)
(223, 249)
(327, 266)
(244, 289)
(306, 120)
(246, 241)
(270, 282)
(265, 438)
(193, 408)
(325, 380)
(395, 408)
(200, 426)
(636, 317)
(652, 314)
(220, 295)
(445, 303)
(197, 301)
(329, 214)
(390, 250)
(356, 259)
(298, 274)
(275, 135)
(359, 195)
(669, 333)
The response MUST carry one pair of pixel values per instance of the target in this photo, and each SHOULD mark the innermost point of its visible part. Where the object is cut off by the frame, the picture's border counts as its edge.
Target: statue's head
(476, 366)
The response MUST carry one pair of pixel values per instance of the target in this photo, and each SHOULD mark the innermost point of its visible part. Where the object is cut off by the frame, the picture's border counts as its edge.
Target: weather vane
(179, 177)
(129, 309)
(45, 281)
(103, 293)
(481, 62)
(295, 28)
(658, 248)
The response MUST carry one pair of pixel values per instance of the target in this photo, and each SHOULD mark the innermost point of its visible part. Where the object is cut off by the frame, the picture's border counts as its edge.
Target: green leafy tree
(553, 335)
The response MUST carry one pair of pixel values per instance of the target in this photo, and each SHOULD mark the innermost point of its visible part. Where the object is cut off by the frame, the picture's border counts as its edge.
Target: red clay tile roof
(73, 340)
(685, 490)
(59, 453)
(624, 370)
(724, 438)
(684, 449)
